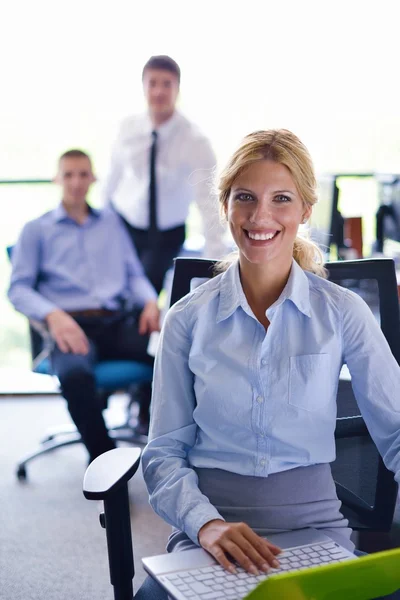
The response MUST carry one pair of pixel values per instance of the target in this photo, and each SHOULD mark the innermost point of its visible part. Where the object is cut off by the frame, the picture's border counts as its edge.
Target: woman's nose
(262, 211)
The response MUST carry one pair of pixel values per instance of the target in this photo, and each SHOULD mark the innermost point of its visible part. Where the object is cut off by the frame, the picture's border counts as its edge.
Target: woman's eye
(282, 198)
(243, 197)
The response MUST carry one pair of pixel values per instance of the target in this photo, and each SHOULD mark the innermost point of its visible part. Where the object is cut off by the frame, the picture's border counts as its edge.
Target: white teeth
(261, 236)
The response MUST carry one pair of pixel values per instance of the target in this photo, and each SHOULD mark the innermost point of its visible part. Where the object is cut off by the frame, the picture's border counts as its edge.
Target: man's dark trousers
(157, 250)
(111, 337)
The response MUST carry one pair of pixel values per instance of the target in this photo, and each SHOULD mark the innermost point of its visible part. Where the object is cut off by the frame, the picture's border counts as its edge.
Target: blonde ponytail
(308, 255)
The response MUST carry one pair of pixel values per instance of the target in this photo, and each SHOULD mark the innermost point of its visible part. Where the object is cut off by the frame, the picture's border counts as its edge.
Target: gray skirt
(302, 497)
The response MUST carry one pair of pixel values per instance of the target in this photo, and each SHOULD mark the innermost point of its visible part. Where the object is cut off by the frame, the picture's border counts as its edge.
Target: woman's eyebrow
(240, 189)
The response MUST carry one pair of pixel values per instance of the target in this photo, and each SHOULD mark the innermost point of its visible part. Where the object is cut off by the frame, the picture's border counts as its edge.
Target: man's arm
(26, 258)
(113, 174)
(26, 264)
(202, 179)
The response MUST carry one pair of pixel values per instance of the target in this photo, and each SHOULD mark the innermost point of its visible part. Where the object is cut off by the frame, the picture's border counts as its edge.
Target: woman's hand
(249, 550)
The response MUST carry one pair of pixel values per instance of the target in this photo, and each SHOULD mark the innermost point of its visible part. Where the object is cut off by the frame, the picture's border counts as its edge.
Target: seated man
(75, 269)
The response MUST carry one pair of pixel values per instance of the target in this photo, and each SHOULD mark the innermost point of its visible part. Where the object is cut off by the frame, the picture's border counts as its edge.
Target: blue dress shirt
(58, 263)
(229, 395)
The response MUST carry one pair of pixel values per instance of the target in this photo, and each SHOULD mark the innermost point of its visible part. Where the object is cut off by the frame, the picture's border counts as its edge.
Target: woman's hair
(283, 147)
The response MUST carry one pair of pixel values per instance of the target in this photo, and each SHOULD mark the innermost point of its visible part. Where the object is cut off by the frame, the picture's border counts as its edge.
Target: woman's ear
(306, 214)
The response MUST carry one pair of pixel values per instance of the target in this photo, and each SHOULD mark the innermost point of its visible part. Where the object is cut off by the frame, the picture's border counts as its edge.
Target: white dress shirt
(185, 168)
(229, 395)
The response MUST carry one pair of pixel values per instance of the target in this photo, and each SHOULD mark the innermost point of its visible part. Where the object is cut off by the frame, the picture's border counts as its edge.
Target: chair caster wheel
(21, 473)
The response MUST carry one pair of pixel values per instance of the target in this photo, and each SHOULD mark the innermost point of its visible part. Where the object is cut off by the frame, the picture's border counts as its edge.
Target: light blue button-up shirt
(58, 263)
(229, 395)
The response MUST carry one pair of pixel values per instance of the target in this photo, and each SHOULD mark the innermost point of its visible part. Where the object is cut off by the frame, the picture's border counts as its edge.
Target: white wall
(328, 70)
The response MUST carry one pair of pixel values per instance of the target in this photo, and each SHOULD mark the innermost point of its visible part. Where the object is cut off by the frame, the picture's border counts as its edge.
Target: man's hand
(149, 319)
(68, 335)
(251, 551)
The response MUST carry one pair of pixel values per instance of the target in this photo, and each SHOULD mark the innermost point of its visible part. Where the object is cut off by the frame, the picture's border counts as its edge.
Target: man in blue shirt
(75, 269)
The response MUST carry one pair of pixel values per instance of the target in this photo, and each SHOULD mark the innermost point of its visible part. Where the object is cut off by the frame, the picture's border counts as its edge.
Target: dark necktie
(153, 184)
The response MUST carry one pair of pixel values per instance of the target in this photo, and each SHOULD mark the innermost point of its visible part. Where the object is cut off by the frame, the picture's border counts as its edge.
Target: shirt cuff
(197, 517)
(39, 313)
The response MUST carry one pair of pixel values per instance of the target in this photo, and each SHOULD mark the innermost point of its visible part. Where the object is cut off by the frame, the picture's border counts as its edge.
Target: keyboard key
(208, 570)
(204, 576)
(199, 588)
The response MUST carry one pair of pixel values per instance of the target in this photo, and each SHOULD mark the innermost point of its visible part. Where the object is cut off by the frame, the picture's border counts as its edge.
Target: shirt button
(260, 399)
(263, 361)
(262, 462)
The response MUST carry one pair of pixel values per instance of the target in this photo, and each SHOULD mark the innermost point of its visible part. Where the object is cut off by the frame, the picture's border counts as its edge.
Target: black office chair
(365, 487)
(111, 376)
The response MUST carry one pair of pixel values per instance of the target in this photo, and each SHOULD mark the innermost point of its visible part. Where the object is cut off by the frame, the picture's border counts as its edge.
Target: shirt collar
(297, 290)
(232, 295)
(60, 214)
(164, 130)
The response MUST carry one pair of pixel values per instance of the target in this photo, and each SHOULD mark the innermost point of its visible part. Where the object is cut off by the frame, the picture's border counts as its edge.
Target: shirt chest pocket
(310, 386)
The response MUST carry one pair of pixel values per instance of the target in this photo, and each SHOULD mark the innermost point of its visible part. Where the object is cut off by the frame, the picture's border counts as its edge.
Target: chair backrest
(364, 485)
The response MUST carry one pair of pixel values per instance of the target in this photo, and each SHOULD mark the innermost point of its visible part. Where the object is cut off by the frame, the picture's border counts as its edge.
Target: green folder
(363, 578)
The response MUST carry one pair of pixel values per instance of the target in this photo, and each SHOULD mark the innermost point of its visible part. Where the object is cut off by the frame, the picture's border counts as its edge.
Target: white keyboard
(214, 582)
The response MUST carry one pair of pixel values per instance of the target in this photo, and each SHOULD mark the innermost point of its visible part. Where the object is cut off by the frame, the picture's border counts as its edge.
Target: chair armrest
(348, 427)
(352, 500)
(41, 328)
(109, 472)
(48, 342)
(106, 479)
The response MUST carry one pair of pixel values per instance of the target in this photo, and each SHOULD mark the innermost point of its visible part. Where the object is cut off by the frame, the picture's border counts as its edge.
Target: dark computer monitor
(320, 222)
(327, 223)
(388, 213)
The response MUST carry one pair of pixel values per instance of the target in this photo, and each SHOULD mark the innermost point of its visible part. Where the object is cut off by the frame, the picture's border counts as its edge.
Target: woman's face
(264, 212)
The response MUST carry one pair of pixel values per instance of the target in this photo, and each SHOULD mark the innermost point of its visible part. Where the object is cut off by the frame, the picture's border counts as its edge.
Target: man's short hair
(75, 153)
(164, 63)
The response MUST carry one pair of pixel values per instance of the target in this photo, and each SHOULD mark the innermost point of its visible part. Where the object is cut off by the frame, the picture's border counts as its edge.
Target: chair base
(45, 447)
(124, 432)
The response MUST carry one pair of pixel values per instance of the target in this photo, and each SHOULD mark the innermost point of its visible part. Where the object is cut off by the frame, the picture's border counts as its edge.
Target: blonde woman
(244, 392)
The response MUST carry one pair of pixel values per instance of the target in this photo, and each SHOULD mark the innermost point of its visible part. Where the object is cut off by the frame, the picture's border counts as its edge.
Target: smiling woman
(267, 190)
(246, 375)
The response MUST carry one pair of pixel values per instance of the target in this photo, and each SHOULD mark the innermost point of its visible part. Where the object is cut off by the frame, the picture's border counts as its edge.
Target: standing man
(160, 163)
(91, 293)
